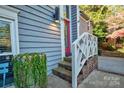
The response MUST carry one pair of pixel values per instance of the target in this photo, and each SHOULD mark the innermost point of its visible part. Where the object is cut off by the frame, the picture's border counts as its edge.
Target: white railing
(82, 49)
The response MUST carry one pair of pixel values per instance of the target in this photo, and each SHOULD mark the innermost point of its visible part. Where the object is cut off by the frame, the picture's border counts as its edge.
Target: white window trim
(11, 14)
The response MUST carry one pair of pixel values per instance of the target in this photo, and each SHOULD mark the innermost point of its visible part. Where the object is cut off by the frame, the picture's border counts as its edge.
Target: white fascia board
(10, 8)
(8, 12)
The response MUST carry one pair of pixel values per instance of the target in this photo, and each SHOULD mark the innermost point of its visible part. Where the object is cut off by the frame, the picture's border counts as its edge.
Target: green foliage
(111, 47)
(100, 29)
(30, 70)
(99, 13)
(105, 18)
(100, 40)
(96, 13)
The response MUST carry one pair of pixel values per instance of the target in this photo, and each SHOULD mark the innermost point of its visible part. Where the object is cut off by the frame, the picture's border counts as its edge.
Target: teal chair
(4, 70)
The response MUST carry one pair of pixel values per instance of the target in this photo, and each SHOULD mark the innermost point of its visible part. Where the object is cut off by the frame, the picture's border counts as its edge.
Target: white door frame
(62, 29)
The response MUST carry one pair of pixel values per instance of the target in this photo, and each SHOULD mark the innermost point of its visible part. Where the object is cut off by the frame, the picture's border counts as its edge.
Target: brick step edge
(68, 59)
(65, 65)
(60, 73)
(91, 64)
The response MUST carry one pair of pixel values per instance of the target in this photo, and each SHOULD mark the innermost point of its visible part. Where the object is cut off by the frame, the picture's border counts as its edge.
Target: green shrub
(30, 70)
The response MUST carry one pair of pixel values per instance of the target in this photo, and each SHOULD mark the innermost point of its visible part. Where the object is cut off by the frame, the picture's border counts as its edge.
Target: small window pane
(66, 11)
(5, 38)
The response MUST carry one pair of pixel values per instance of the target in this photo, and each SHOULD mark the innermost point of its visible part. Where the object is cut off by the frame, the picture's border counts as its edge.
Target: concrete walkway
(111, 64)
(97, 79)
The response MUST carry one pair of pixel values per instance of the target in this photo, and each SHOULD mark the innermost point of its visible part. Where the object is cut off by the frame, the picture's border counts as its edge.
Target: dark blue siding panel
(74, 22)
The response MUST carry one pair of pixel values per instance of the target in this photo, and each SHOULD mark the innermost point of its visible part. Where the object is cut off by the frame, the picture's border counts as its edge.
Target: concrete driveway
(97, 79)
(100, 79)
(111, 64)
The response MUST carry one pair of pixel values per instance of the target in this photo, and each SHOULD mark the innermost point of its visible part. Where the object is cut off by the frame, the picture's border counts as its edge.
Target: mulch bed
(112, 53)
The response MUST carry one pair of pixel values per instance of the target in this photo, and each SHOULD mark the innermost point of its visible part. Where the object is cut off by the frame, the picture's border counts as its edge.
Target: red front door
(67, 37)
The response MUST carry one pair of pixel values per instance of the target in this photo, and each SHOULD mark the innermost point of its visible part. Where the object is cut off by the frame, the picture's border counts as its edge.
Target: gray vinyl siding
(39, 33)
(74, 22)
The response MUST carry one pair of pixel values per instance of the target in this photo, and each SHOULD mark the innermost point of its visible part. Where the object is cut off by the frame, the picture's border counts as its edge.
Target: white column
(62, 30)
(74, 66)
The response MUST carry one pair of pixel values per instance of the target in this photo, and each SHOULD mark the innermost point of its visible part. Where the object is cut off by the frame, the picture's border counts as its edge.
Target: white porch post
(61, 12)
(74, 53)
(74, 67)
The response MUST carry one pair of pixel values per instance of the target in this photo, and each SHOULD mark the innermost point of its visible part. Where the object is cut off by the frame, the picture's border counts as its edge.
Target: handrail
(84, 33)
(82, 49)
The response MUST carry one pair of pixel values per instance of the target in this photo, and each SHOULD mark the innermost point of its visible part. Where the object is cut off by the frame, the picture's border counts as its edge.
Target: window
(66, 12)
(9, 43)
(5, 37)
(6, 47)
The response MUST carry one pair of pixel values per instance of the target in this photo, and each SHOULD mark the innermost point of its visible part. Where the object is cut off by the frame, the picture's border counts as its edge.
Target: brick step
(64, 69)
(84, 73)
(68, 59)
(66, 74)
(66, 65)
(63, 73)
